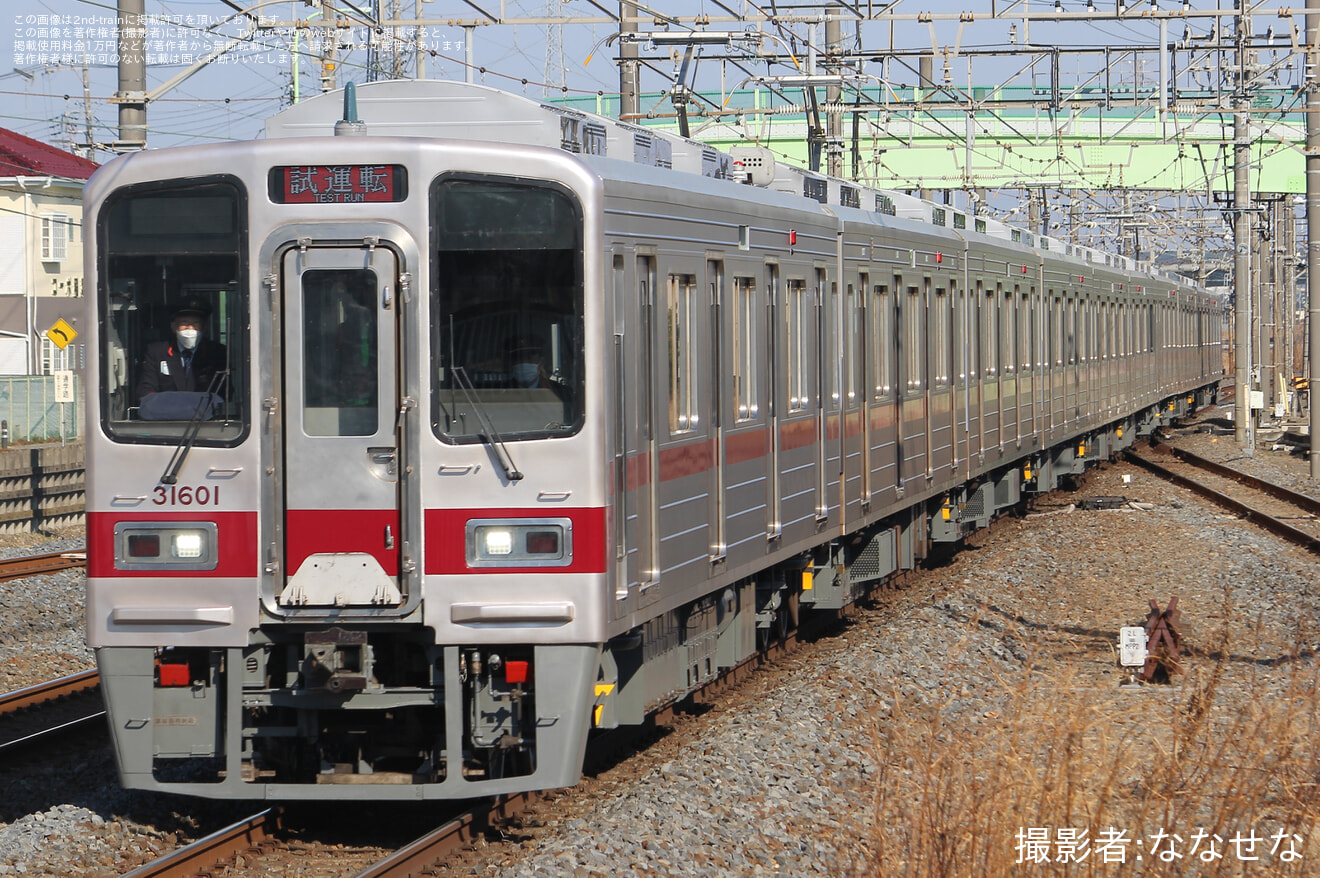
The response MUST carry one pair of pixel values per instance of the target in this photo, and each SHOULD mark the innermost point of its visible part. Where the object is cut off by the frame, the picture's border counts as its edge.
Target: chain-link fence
(29, 411)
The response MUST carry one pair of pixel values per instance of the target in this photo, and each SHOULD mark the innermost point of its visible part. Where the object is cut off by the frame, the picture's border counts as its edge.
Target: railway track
(248, 834)
(1287, 513)
(48, 691)
(35, 715)
(35, 565)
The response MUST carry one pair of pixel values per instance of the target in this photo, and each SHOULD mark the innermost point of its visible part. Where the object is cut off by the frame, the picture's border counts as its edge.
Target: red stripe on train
(445, 537)
(236, 538)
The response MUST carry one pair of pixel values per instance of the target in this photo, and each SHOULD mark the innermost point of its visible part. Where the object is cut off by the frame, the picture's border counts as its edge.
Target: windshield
(173, 308)
(507, 309)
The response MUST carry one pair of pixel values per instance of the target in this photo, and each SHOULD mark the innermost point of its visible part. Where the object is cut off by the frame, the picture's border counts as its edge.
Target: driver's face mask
(526, 374)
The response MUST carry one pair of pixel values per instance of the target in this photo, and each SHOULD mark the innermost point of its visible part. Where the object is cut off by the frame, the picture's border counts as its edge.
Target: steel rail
(35, 565)
(425, 854)
(418, 856)
(81, 724)
(49, 691)
(1269, 522)
(203, 854)
(1303, 501)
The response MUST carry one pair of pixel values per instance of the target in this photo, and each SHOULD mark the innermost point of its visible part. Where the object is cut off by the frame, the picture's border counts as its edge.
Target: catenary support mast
(1313, 215)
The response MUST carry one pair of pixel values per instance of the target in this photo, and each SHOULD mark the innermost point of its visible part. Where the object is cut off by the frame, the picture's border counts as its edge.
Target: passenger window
(1008, 352)
(1025, 335)
(914, 335)
(882, 342)
(857, 347)
(972, 328)
(990, 334)
(796, 319)
(745, 403)
(682, 327)
(943, 338)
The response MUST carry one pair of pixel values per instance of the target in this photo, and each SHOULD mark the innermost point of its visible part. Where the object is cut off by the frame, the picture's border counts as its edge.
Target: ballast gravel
(781, 778)
(41, 617)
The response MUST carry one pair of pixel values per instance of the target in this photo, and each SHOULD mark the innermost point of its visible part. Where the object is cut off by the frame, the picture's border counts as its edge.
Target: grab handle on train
(384, 457)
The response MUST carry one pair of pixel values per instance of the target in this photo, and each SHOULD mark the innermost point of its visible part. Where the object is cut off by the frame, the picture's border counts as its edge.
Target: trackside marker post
(1162, 641)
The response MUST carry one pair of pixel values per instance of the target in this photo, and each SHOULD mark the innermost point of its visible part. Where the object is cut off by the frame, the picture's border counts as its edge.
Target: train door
(1026, 342)
(1009, 358)
(882, 397)
(719, 540)
(645, 463)
(1070, 327)
(939, 395)
(343, 537)
(902, 383)
(827, 364)
(962, 381)
(857, 446)
(914, 411)
(1053, 360)
(992, 409)
(976, 375)
(774, 527)
(619, 500)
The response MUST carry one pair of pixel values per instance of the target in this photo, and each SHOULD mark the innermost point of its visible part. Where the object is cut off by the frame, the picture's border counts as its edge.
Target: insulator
(799, 109)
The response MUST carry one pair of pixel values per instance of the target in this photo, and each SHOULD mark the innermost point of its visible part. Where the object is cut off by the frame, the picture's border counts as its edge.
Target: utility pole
(554, 74)
(1244, 422)
(833, 93)
(1313, 217)
(1263, 307)
(925, 86)
(419, 43)
(1282, 370)
(630, 84)
(469, 54)
(89, 137)
(329, 48)
(1288, 258)
(132, 25)
(397, 54)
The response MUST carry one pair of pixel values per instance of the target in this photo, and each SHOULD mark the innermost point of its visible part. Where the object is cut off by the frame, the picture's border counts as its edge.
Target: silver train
(418, 452)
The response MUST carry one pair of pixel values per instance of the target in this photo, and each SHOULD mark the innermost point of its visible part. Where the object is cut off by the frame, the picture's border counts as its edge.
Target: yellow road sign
(61, 334)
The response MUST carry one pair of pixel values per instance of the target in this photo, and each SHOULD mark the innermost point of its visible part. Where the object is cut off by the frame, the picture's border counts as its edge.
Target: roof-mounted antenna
(349, 126)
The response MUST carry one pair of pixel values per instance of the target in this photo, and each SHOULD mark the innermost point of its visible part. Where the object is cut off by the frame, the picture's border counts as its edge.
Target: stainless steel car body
(416, 578)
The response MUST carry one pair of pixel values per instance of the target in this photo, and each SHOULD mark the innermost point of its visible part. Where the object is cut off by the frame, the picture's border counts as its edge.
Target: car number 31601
(174, 495)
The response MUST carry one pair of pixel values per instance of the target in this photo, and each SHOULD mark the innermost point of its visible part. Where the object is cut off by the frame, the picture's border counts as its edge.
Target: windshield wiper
(491, 437)
(204, 402)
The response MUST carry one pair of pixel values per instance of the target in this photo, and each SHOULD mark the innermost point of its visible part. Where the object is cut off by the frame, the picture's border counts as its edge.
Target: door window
(341, 387)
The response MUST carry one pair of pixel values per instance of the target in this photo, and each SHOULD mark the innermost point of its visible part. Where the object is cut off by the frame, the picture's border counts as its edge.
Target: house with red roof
(41, 270)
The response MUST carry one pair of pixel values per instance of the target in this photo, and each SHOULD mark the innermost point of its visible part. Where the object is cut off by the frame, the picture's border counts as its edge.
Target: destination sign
(338, 184)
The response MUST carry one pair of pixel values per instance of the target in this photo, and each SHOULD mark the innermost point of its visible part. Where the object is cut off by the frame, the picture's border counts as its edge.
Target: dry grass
(1061, 754)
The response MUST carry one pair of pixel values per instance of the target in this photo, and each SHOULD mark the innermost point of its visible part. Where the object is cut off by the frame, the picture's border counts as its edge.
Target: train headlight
(520, 542)
(165, 545)
(187, 545)
(495, 541)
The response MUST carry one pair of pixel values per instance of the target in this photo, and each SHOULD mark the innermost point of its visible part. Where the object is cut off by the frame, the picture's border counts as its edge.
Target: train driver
(526, 363)
(187, 363)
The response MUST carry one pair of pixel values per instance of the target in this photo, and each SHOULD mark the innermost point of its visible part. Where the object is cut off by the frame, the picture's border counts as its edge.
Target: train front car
(345, 525)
